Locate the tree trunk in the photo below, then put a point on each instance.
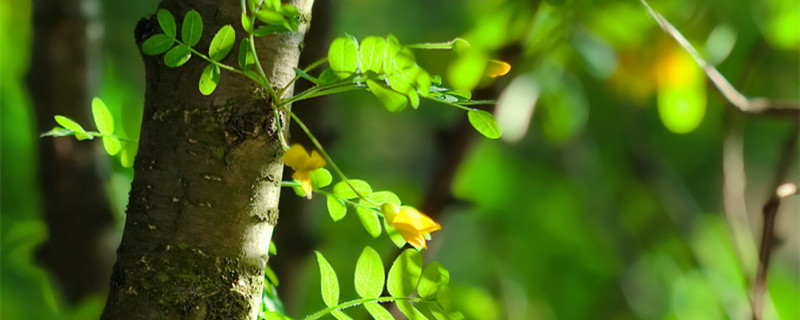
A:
(74, 198)
(204, 198)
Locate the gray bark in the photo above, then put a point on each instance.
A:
(204, 199)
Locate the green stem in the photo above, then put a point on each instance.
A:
(297, 77)
(377, 210)
(452, 104)
(325, 154)
(280, 129)
(434, 45)
(361, 301)
(315, 91)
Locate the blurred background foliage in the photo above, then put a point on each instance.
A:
(603, 200)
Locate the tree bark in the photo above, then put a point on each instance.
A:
(74, 198)
(204, 199)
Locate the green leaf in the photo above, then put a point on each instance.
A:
(167, 22)
(306, 76)
(247, 24)
(269, 29)
(410, 311)
(112, 145)
(336, 208)
(157, 44)
(338, 314)
(177, 56)
(423, 82)
(394, 235)
(433, 277)
(485, 123)
(379, 197)
(327, 77)
(467, 70)
(405, 273)
(246, 58)
(222, 43)
(102, 117)
(70, 124)
(270, 17)
(369, 276)
(372, 52)
(209, 79)
(320, 178)
(377, 312)
(342, 189)
(369, 220)
(128, 154)
(329, 285)
(192, 28)
(57, 132)
(272, 249)
(271, 276)
(393, 101)
(272, 315)
(343, 57)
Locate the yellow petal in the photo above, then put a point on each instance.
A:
(414, 219)
(413, 238)
(316, 161)
(497, 68)
(296, 157)
(305, 181)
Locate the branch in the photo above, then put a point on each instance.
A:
(755, 106)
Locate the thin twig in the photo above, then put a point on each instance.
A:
(759, 106)
(770, 210)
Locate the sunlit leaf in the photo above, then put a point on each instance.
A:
(433, 277)
(467, 70)
(321, 178)
(246, 58)
(128, 154)
(369, 278)
(247, 24)
(369, 220)
(111, 145)
(371, 52)
(410, 311)
(167, 23)
(271, 276)
(329, 284)
(343, 57)
(157, 44)
(404, 273)
(209, 79)
(270, 17)
(177, 56)
(379, 197)
(343, 190)
(192, 28)
(377, 312)
(485, 123)
(338, 314)
(102, 117)
(393, 101)
(394, 235)
(222, 43)
(336, 208)
(70, 124)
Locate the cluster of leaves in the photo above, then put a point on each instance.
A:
(406, 275)
(357, 194)
(112, 143)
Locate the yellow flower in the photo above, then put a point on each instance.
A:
(497, 68)
(303, 163)
(412, 224)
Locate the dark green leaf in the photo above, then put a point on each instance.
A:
(102, 117)
(433, 277)
(222, 43)
(344, 191)
(369, 276)
(112, 145)
(192, 28)
(177, 56)
(343, 57)
(369, 220)
(167, 22)
(405, 273)
(372, 52)
(329, 284)
(157, 44)
(485, 123)
(327, 77)
(377, 312)
(306, 76)
(336, 208)
(393, 101)
(209, 79)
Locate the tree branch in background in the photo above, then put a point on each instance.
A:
(779, 191)
(755, 106)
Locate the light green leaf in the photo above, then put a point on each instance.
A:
(329, 286)
(414, 98)
(222, 43)
(273, 250)
(209, 79)
(246, 58)
(70, 124)
(320, 178)
(369, 220)
(369, 276)
(336, 208)
(467, 70)
(271, 276)
(112, 145)
(379, 197)
(343, 190)
(343, 57)
(272, 315)
(192, 28)
(177, 56)
(423, 82)
(410, 311)
(682, 107)
(102, 117)
(371, 52)
(167, 22)
(377, 312)
(433, 277)
(269, 29)
(247, 24)
(338, 314)
(405, 273)
(327, 77)
(394, 235)
(485, 123)
(128, 154)
(306, 76)
(270, 17)
(440, 314)
(57, 132)
(157, 44)
(393, 101)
